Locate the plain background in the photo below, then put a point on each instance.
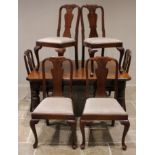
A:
(39, 19)
(145, 30)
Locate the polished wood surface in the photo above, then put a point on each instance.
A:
(78, 75)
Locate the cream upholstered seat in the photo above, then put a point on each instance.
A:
(55, 105)
(103, 106)
(101, 40)
(56, 40)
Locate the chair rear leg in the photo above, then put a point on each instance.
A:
(82, 125)
(76, 57)
(126, 124)
(32, 125)
(113, 123)
(72, 123)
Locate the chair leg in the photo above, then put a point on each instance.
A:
(83, 57)
(113, 123)
(32, 125)
(82, 125)
(72, 123)
(76, 57)
(102, 52)
(126, 124)
(47, 122)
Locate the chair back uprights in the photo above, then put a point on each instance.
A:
(68, 20)
(57, 72)
(102, 75)
(29, 61)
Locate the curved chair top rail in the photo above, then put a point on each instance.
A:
(57, 75)
(101, 74)
(92, 18)
(29, 61)
(68, 20)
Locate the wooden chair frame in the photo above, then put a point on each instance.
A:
(57, 74)
(101, 73)
(68, 21)
(92, 18)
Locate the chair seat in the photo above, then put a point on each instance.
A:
(56, 40)
(103, 106)
(54, 105)
(101, 40)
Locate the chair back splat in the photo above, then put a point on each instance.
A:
(57, 75)
(101, 75)
(92, 18)
(68, 20)
(29, 61)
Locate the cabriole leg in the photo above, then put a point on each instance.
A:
(82, 125)
(32, 125)
(72, 123)
(126, 124)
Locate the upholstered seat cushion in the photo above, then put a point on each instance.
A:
(55, 105)
(101, 40)
(103, 106)
(56, 40)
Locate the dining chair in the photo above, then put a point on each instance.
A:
(65, 39)
(30, 66)
(94, 42)
(126, 64)
(101, 107)
(55, 107)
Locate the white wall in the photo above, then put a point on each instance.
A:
(39, 18)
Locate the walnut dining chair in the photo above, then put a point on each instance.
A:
(65, 39)
(101, 107)
(93, 41)
(57, 106)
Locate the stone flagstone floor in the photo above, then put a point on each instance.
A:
(101, 139)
